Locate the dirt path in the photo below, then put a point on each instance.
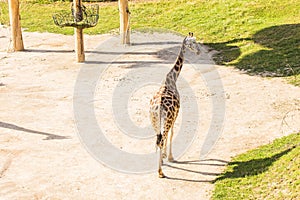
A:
(41, 156)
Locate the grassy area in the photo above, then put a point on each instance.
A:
(295, 80)
(270, 172)
(257, 36)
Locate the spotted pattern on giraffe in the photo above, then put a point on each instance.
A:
(165, 104)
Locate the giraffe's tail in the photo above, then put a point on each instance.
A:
(158, 140)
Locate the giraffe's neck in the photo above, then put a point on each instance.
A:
(175, 71)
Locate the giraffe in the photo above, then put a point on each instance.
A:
(165, 104)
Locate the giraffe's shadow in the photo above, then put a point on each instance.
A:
(198, 170)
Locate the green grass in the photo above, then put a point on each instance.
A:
(295, 80)
(261, 37)
(269, 172)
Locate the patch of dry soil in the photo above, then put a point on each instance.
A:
(41, 156)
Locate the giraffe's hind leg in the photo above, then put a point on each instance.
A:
(160, 172)
(165, 141)
(170, 156)
(160, 143)
(162, 152)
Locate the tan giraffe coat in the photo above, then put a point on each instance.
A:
(164, 107)
(165, 104)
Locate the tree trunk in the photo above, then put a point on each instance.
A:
(79, 45)
(16, 32)
(124, 21)
(78, 32)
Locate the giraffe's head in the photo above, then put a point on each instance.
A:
(191, 43)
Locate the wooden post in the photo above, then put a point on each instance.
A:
(16, 32)
(78, 32)
(79, 45)
(124, 21)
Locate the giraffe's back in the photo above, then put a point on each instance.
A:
(164, 107)
(170, 102)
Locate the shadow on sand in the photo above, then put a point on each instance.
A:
(18, 128)
(178, 165)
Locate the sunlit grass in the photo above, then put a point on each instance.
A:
(235, 28)
(269, 172)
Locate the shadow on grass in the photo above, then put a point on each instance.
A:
(279, 58)
(227, 52)
(251, 167)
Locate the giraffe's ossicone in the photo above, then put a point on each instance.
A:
(165, 104)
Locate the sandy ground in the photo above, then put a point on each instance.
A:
(41, 156)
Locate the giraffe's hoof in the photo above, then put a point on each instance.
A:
(161, 175)
(171, 159)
